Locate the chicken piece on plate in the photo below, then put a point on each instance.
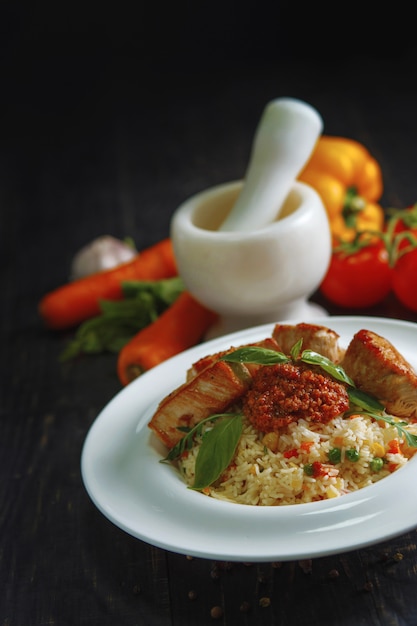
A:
(211, 391)
(318, 338)
(377, 367)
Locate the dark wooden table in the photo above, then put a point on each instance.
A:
(107, 129)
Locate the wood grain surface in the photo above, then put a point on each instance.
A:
(111, 120)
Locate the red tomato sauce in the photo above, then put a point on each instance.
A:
(284, 393)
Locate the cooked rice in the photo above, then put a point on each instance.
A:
(258, 476)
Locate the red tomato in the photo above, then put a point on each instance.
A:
(402, 231)
(404, 279)
(359, 279)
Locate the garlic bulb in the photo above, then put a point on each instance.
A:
(102, 253)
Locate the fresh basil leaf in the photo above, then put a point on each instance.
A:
(216, 451)
(296, 349)
(314, 358)
(410, 438)
(364, 400)
(261, 356)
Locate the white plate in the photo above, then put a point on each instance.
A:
(147, 499)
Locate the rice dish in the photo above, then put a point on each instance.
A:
(312, 461)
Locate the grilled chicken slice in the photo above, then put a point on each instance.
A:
(318, 338)
(378, 368)
(212, 391)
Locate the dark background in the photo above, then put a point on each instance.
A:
(99, 93)
(112, 115)
(75, 77)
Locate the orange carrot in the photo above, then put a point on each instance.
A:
(179, 327)
(79, 300)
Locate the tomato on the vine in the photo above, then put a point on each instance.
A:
(402, 219)
(358, 278)
(404, 274)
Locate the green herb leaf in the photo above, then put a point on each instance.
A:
(314, 358)
(261, 356)
(120, 320)
(164, 291)
(187, 441)
(296, 349)
(364, 400)
(216, 451)
(409, 437)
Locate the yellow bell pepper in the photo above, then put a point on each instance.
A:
(349, 181)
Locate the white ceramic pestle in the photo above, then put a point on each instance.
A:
(284, 140)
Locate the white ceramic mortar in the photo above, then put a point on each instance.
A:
(257, 277)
